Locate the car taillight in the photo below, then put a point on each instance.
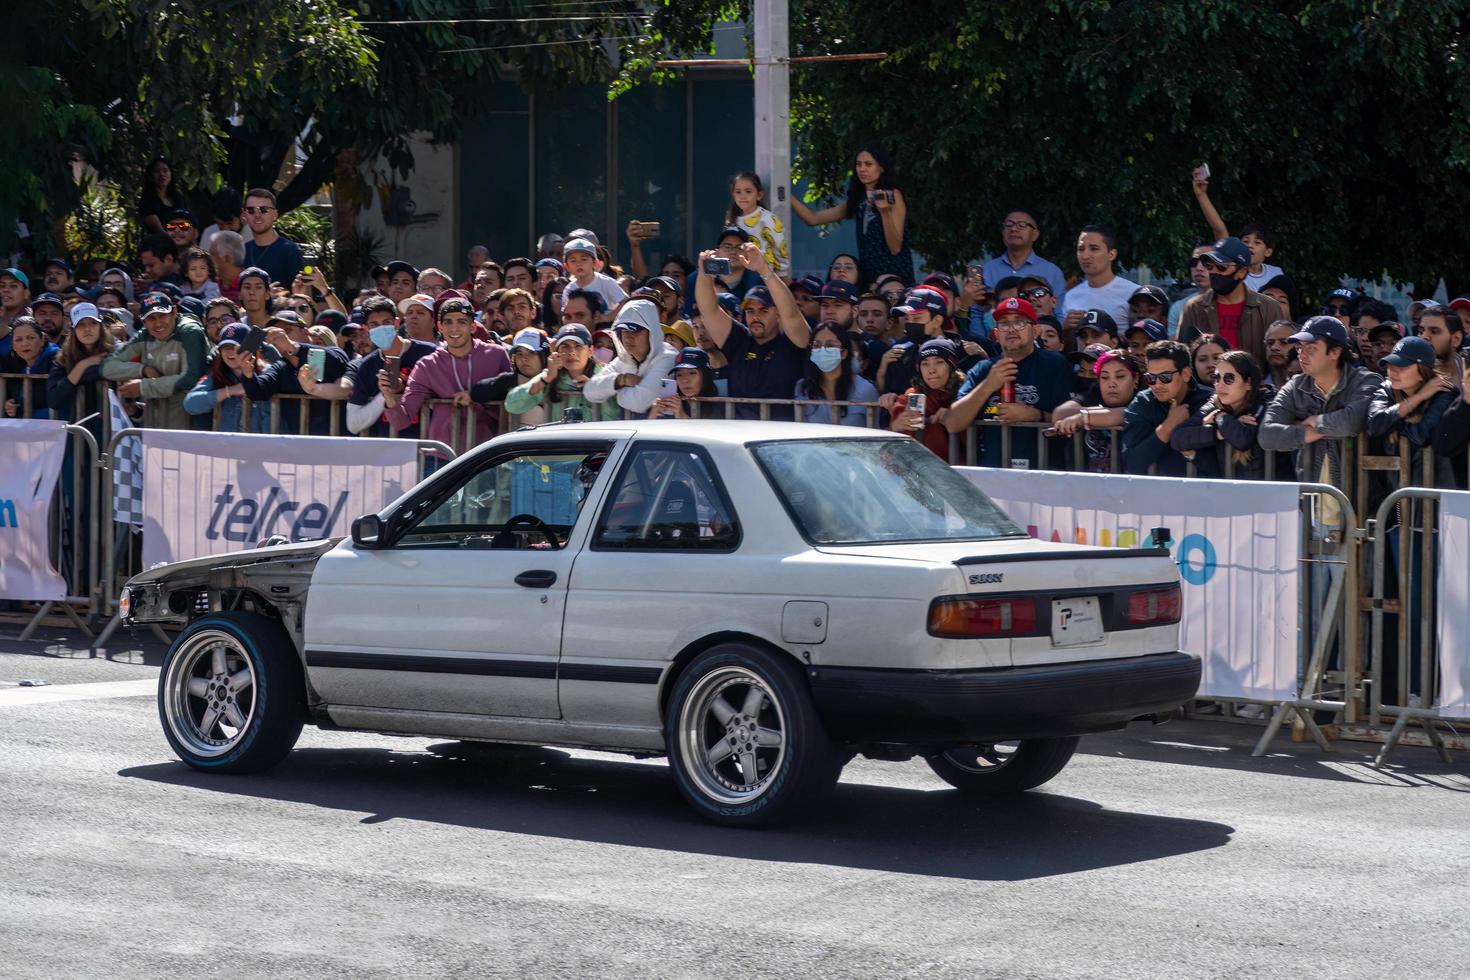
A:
(1154, 607)
(962, 617)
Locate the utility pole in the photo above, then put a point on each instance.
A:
(773, 105)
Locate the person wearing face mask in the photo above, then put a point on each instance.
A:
(390, 347)
(923, 313)
(830, 378)
(1230, 308)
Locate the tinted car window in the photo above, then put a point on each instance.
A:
(860, 491)
(668, 499)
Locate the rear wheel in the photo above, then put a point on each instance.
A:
(1002, 768)
(231, 693)
(745, 745)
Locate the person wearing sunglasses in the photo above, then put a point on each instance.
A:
(1043, 298)
(1230, 308)
(180, 226)
(1019, 232)
(1169, 397)
(1199, 277)
(1230, 426)
(267, 248)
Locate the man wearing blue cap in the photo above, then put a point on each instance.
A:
(50, 314)
(58, 277)
(767, 354)
(1328, 401)
(1229, 307)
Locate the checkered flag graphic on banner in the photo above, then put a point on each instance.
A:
(127, 468)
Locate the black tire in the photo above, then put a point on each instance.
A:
(1033, 762)
(788, 779)
(196, 699)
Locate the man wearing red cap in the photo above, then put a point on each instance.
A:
(1025, 384)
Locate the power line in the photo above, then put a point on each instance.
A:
(542, 44)
(507, 20)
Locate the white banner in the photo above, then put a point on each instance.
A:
(32, 451)
(208, 493)
(1235, 542)
(1454, 605)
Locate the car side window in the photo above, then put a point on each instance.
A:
(547, 488)
(667, 499)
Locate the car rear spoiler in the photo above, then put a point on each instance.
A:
(1065, 556)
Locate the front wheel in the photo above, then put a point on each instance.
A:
(231, 693)
(1003, 768)
(745, 744)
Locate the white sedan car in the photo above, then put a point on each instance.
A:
(759, 601)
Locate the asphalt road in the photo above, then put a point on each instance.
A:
(1159, 852)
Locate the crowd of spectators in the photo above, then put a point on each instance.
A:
(230, 327)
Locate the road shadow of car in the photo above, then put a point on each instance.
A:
(547, 793)
(1227, 745)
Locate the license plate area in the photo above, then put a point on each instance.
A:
(1076, 621)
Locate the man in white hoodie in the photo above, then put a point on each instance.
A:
(634, 378)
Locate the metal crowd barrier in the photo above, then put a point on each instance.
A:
(73, 546)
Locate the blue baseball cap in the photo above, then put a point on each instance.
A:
(1155, 330)
(17, 275)
(940, 347)
(60, 263)
(1228, 250)
(730, 303)
(690, 357)
(923, 298)
(575, 332)
(46, 298)
(944, 281)
(758, 294)
(256, 272)
(1411, 350)
(552, 264)
(156, 303)
(1322, 327)
(192, 305)
(808, 284)
(843, 290)
(234, 333)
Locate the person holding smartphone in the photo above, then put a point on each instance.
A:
(921, 410)
(295, 364)
(876, 203)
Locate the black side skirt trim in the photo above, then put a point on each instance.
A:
(482, 667)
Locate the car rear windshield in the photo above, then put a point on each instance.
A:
(862, 491)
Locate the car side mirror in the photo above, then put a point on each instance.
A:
(367, 532)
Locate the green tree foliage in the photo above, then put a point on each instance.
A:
(227, 90)
(1345, 125)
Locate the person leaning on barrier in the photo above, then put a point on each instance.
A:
(1099, 412)
(160, 364)
(1230, 423)
(262, 382)
(455, 367)
(1170, 397)
(1409, 406)
(1452, 435)
(1324, 404)
(78, 368)
(1037, 381)
(693, 378)
(556, 386)
(767, 353)
(221, 386)
(938, 380)
(830, 377)
(365, 404)
(634, 379)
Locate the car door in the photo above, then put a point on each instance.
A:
(661, 558)
(460, 611)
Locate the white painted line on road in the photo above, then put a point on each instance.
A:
(19, 696)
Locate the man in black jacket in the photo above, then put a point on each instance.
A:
(1170, 397)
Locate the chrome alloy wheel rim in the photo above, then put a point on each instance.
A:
(209, 693)
(987, 757)
(733, 735)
